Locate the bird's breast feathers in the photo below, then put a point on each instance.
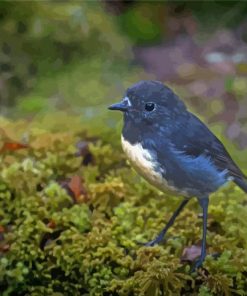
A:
(179, 173)
(145, 163)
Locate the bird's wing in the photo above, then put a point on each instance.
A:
(196, 139)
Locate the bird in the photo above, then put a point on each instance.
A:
(174, 150)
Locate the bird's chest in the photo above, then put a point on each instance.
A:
(146, 164)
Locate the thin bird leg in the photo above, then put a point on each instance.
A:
(204, 204)
(161, 235)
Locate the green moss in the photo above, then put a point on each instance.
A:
(55, 244)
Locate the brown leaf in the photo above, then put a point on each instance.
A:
(12, 146)
(4, 248)
(191, 253)
(75, 185)
(75, 188)
(51, 224)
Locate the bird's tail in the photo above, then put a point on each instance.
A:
(241, 183)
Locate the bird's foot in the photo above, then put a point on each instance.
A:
(197, 264)
(153, 242)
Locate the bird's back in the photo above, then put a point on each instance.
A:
(190, 160)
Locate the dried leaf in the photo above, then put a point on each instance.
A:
(51, 224)
(4, 248)
(75, 189)
(75, 186)
(191, 253)
(12, 146)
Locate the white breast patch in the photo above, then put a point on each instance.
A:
(143, 161)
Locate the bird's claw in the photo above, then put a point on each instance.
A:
(151, 243)
(197, 264)
(148, 244)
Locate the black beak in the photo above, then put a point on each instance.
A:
(122, 106)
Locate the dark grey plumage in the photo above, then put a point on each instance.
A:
(172, 148)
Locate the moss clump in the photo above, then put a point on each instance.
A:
(59, 237)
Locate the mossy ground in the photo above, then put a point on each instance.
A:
(72, 210)
(71, 227)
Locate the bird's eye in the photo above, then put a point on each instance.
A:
(149, 107)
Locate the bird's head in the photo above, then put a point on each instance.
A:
(149, 102)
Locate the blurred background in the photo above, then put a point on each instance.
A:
(81, 56)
